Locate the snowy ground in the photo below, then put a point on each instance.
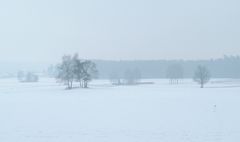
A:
(45, 112)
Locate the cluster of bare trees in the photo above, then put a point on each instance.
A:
(175, 73)
(27, 77)
(130, 77)
(72, 69)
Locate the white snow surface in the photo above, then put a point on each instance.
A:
(46, 112)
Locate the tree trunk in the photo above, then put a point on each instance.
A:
(85, 84)
(82, 83)
(68, 85)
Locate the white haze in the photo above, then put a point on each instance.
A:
(42, 31)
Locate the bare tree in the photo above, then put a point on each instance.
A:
(89, 72)
(66, 71)
(174, 73)
(202, 75)
(78, 70)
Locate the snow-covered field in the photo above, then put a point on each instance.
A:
(45, 112)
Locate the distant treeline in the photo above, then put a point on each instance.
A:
(226, 67)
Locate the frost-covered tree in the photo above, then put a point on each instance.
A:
(66, 71)
(174, 73)
(74, 69)
(89, 72)
(202, 75)
(78, 70)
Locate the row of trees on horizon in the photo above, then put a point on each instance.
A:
(226, 67)
(72, 69)
(174, 73)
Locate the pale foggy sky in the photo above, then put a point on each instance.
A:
(44, 30)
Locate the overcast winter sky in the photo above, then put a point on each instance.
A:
(43, 30)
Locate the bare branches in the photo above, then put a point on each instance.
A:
(73, 69)
(202, 75)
